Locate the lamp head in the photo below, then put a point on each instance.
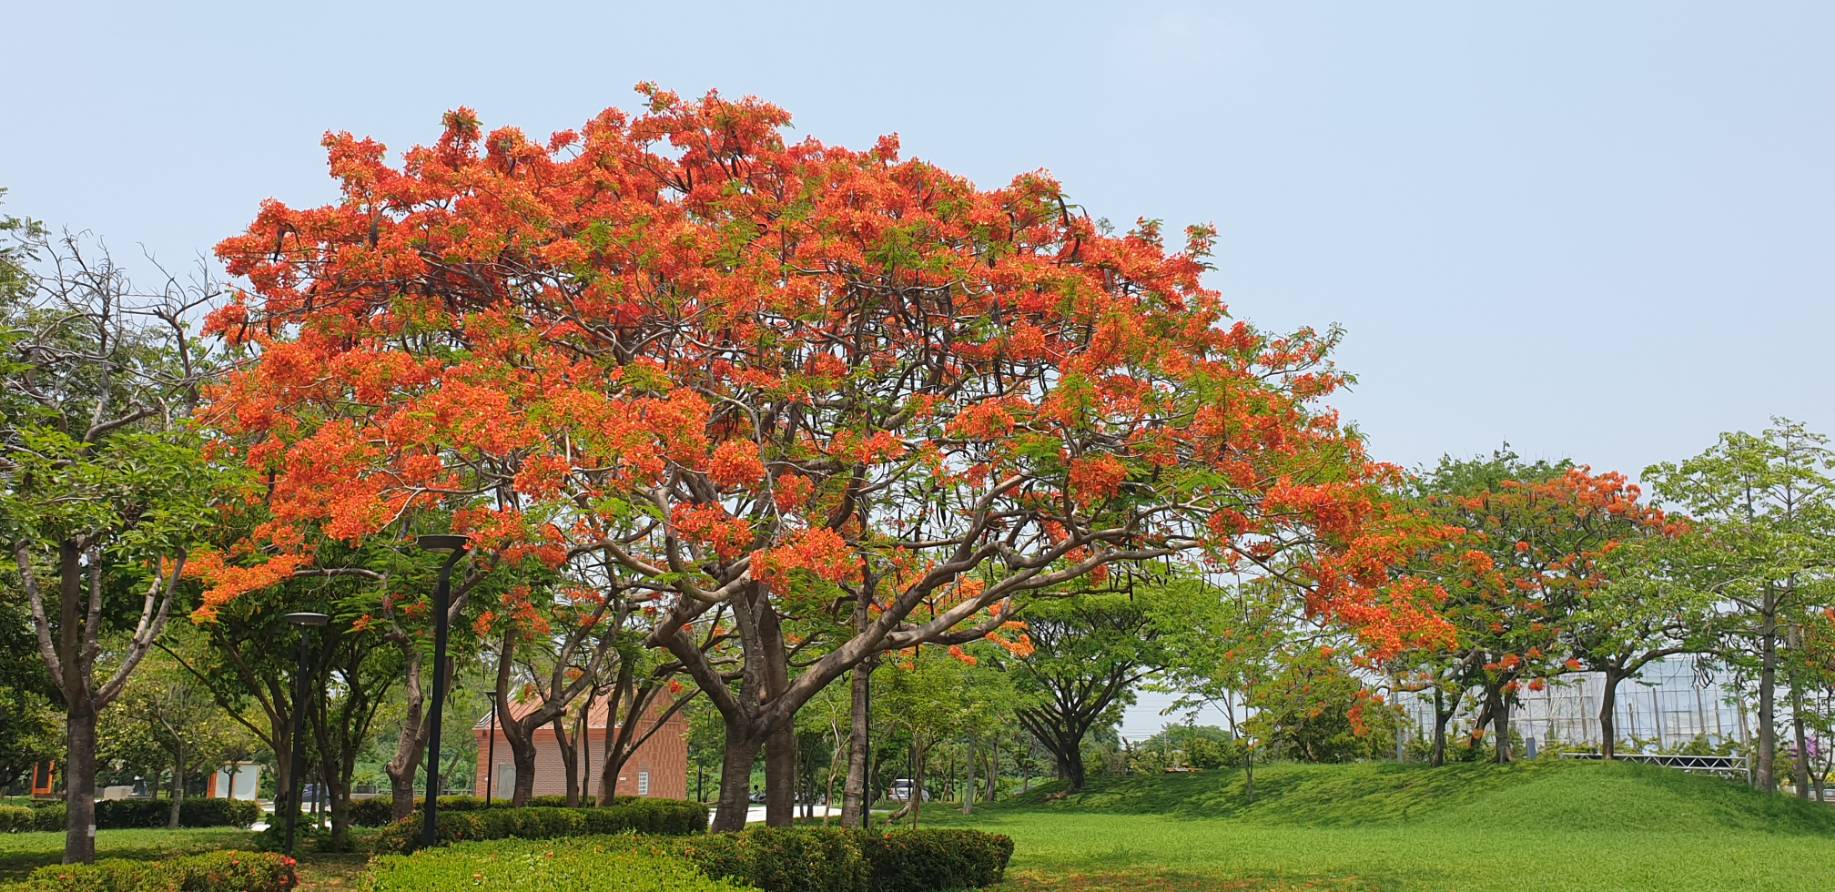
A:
(443, 543)
(307, 618)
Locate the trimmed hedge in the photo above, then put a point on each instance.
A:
(122, 814)
(920, 860)
(380, 810)
(15, 819)
(784, 859)
(209, 872)
(824, 859)
(666, 817)
(540, 866)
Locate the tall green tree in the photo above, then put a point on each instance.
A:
(103, 488)
(1763, 549)
(1643, 613)
(1082, 661)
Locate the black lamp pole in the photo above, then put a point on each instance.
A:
(442, 593)
(490, 758)
(303, 621)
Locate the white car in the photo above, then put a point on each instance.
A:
(901, 790)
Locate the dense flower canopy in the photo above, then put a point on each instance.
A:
(734, 363)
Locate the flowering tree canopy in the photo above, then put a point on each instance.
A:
(772, 380)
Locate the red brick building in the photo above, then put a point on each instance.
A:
(659, 768)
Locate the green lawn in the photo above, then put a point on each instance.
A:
(20, 853)
(1536, 826)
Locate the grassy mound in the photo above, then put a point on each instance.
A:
(1570, 795)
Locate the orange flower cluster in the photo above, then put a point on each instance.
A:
(619, 323)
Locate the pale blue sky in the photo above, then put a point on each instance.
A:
(1598, 230)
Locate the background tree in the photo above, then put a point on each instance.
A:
(1643, 613)
(1076, 666)
(103, 489)
(1532, 540)
(162, 712)
(1762, 548)
(30, 734)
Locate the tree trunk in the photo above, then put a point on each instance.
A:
(609, 771)
(854, 795)
(80, 784)
(1608, 716)
(735, 781)
(993, 773)
(1442, 715)
(570, 758)
(1800, 766)
(1765, 773)
(968, 786)
(1501, 722)
(523, 757)
(337, 798)
(1069, 755)
(780, 776)
(178, 787)
(1248, 773)
(917, 796)
(410, 745)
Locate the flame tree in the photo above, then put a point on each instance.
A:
(785, 388)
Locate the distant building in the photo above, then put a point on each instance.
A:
(658, 768)
(235, 780)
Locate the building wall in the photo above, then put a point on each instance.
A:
(664, 756)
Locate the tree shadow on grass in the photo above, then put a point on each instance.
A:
(1179, 881)
(22, 853)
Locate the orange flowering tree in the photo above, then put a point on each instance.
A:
(1530, 554)
(777, 383)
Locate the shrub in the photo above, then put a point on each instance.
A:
(209, 872)
(533, 866)
(117, 814)
(372, 812)
(666, 817)
(823, 859)
(218, 813)
(380, 810)
(927, 860)
(49, 817)
(784, 859)
(15, 819)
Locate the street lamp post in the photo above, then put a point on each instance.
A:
(302, 620)
(442, 593)
(490, 758)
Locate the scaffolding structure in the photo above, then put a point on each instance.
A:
(1664, 707)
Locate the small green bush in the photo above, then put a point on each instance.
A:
(541, 866)
(784, 859)
(928, 860)
(831, 859)
(210, 872)
(664, 817)
(15, 819)
(372, 812)
(49, 817)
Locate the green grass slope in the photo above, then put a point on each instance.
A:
(1570, 795)
(1534, 826)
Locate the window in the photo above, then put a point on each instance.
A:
(643, 783)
